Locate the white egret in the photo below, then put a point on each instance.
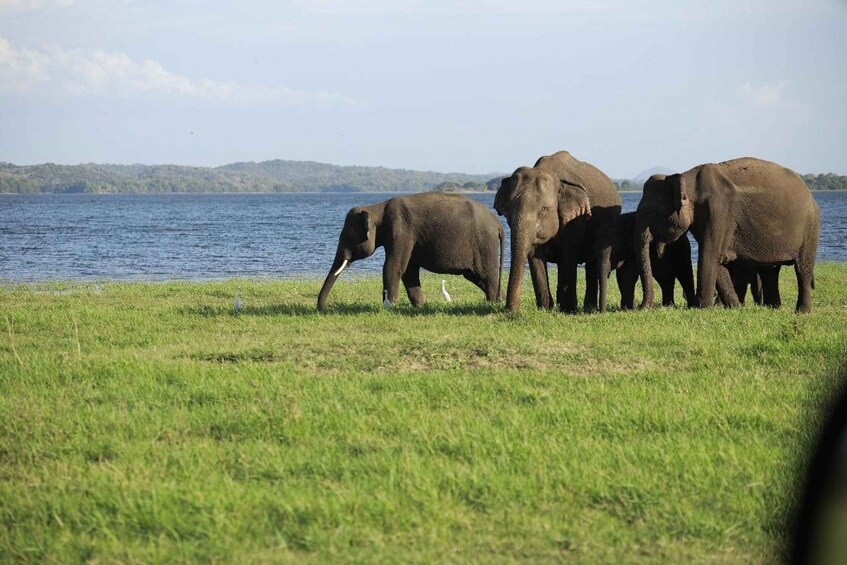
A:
(385, 302)
(237, 303)
(444, 292)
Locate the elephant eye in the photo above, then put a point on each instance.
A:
(545, 209)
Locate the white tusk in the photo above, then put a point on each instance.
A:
(341, 268)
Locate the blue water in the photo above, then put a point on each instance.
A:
(215, 236)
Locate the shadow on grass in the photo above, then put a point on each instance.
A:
(252, 356)
(208, 311)
(480, 309)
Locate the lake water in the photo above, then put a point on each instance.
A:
(216, 236)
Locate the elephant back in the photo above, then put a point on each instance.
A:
(601, 190)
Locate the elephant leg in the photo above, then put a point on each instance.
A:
(685, 275)
(740, 288)
(566, 288)
(412, 282)
(489, 285)
(492, 289)
(480, 282)
(604, 257)
(756, 287)
(725, 288)
(804, 269)
(491, 276)
(391, 282)
(708, 268)
(540, 283)
(626, 278)
(591, 284)
(770, 286)
(396, 262)
(666, 284)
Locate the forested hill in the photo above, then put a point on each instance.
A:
(267, 176)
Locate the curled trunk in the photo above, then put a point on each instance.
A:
(642, 261)
(334, 272)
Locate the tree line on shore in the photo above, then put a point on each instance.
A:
(268, 176)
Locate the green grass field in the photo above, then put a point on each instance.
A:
(148, 422)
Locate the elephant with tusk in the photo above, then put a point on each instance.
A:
(442, 233)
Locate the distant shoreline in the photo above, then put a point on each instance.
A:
(316, 193)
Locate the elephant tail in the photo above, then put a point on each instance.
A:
(503, 259)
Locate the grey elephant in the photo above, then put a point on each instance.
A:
(748, 211)
(442, 233)
(561, 211)
(674, 266)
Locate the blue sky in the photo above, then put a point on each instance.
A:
(477, 87)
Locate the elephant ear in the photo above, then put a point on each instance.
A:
(681, 199)
(573, 202)
(367, 225)
(679, 194)
(500, 197)
(360, 226)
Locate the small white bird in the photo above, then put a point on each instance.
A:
(385, 302)
(237, 303)
(444, 292)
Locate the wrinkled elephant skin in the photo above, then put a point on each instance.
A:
(442, 233)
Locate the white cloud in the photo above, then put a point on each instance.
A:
(21, 68)
(764, 96)
(92, 72)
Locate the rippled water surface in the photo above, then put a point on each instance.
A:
(209, 236)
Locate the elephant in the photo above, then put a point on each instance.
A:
(762, 282)
(561, 210)
(674, 266)
(746, 211)
(442, 233)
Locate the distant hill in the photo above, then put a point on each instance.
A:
(644, 175)
(267, 176)
(637, 183)
(275, 176)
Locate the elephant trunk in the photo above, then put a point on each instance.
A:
(503, 259)
(520, 250)
(642, 261)
(337, 267)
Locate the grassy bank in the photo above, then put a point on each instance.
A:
(144, 422)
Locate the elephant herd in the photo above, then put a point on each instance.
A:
(748, 216)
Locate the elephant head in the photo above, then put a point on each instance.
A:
(358, 240)
(664, 214)
(536, 204)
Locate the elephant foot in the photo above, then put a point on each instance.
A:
(803, 308)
